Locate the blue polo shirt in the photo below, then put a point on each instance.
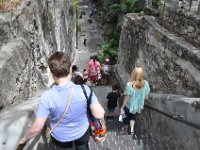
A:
(54, 102)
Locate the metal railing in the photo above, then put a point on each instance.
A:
(172, 116)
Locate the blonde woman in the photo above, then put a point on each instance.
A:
(136, 91)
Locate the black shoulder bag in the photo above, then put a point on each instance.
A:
(98, 127)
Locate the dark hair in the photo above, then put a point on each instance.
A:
(74, 68)
(84, 70)
(78, 80)
(94, 58)
(59, 64)
(114, 87)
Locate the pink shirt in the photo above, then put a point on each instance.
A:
(91, 63)
(93, 66)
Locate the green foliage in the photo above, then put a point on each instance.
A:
(2, 1)
(113, 12)
(156, 3)
(75, 3)
(111, 17)
(128, 6)
(107, 51)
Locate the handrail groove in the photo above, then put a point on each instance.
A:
(175, 117)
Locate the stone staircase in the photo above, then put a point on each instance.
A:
(142, 140)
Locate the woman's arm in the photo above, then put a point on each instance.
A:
(33, 131)
(97, 110)
(124, 103)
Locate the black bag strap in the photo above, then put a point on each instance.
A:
(88, 99)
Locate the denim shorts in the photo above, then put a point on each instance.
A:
(129, 116)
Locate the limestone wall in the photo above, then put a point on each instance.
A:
(171, 64)
(178, 134)
(172, 69)
(185, 24)
(28, 35)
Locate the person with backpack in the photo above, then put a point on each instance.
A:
(93, 67)
(66, 103)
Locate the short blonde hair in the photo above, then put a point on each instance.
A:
(137, 76)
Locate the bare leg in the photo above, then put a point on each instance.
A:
(105, 82)
(91, 82)
(101, 80)
(132, 123)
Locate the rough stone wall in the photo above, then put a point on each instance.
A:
(171, 64)
(181, 136)
(28, 35)
(185, 24)
(184, 5)
(172, 67)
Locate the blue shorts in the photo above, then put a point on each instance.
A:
(129, 116)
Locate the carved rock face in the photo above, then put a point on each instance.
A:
(27, 37)
(171, 65)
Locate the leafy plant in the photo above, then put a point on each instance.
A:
(128, 6)
(113, 13)
(75, 3)
(156, 3)
(107, 51)
(2, 1)
(111, 17)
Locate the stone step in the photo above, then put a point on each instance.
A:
(116, 141)
(129, 146)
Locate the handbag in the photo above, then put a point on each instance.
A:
(48, 129)
(97, 126)
(121, 117)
